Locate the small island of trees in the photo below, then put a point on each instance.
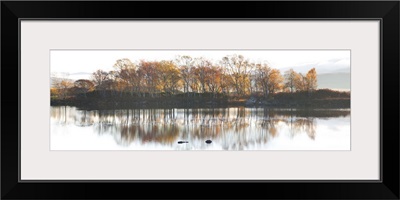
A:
(188, 82)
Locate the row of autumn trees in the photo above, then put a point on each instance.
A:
(232, 75)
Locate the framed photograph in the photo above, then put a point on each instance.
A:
(298, 96)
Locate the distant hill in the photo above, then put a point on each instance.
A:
(335, 81)
(55, 79)
(72, 77)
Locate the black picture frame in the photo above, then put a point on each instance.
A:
(386, 11)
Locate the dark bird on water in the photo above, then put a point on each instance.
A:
(208, 141)
(181, 142)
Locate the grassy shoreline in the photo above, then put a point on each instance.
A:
(318, 99)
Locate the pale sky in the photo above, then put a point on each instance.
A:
(81, 63)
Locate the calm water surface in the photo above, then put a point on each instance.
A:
(228, 128)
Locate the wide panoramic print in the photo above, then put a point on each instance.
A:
(199, 100)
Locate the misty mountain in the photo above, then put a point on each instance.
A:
(55, 80)
(320, 70)
(70, 76)
(338, 81)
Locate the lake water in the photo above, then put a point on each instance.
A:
(227, 128)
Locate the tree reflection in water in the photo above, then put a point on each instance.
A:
(232, 128)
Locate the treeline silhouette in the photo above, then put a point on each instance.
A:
(189, 82)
